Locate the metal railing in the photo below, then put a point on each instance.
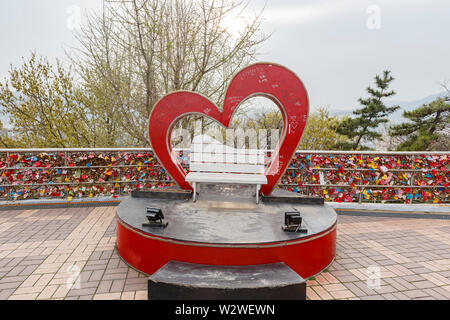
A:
(410, 177)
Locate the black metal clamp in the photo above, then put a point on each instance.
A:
(293, 222)
(155, 218)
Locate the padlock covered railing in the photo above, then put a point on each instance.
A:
(408, 177)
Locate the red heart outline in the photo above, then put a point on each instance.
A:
(269, 80)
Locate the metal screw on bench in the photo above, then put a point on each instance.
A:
(155, 218)
(293, 222)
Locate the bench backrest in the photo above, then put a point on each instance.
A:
(209, 155)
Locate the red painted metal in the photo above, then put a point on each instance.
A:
(273, 81)
(307, 256)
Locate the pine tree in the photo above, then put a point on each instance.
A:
(363, 127)
(427, 125)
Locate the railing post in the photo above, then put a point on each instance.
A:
(9, 188)
(411, 183)
(67, 170)
(310, 184)
(361, 188)
(360, 195)
(120, 177)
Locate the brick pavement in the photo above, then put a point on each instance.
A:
(41, 250)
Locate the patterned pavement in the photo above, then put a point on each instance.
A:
(43, 250)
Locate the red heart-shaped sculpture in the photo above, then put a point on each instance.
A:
(272, 81)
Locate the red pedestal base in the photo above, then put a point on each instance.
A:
(147, 252)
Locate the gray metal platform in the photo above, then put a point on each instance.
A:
(228, 217)
(186, 281)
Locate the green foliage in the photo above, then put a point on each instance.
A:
(424, 128)
(321, 132)
(258, 115)
(45, 107)
(128, 57)
(362, 127)
(269, 120)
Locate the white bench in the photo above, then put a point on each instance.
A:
(213, 162)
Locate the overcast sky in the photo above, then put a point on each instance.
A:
(335, 46)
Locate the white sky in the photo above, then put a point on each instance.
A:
(326, 42)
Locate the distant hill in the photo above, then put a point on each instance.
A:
(397, 116)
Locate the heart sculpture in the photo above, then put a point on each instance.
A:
(272, 81)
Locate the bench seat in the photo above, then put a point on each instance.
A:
(241, 178)
(213, 162)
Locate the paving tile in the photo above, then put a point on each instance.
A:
(26, 290)
(104, 286)
(141, 295)
(329, 277)
(310, 283)
(34, 256)
(117, 286)
(7, 279)
(323, 294)
(97, 275)
(442, 292)
(134, 274)
(136, 286)
(10, 285)
(389, 296)
(6, 293)
(61, 291)
(373, 297)
(349, 278)
(362, 285)
(135, 280)
(47, 292)
(356, 290)
(129, 295)
(17, 270)
(401, 284)
(81, 292)
(425, 284)
(385, 288)
(437, 279)
(435, 294)
(420, 270)
(44, 279)
(334, 287)
(415, 294)
(101, 263)
(120, 270)
(342, 294)
(311, 294)
(28, 296)
(107, 296)
(415, 277)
